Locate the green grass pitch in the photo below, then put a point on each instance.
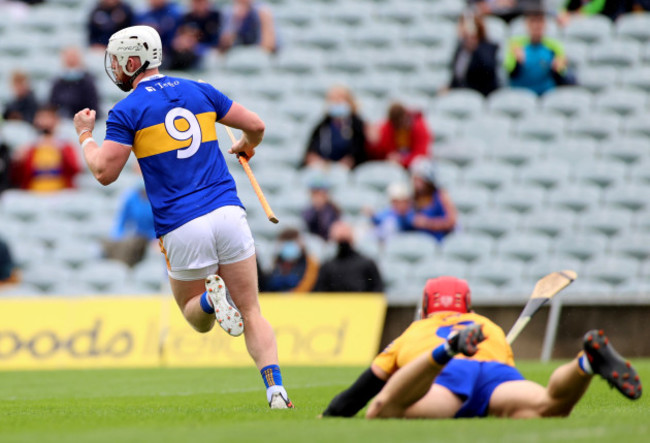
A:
(196, 405)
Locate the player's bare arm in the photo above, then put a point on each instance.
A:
(105, 162)
(250, 124)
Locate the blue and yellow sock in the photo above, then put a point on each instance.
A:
(271, 375)
(205, 304)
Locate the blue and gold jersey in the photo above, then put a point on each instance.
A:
(170, 125)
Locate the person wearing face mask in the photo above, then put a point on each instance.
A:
(348, 271)
(75, 88)
(339, 137)
(49, 164)
(294, 269)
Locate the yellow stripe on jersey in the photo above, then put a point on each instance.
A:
(156, 140)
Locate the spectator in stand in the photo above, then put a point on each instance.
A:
(206, 19)
(49, 164)
(133, 230)
(402, 138)
(75, 88)
(609, 8)
(340, 136)
(249, 24)
(5, 167)
(23, 106)
(108, 17)
(187, 51)
(348, 271)
(294, 269)
(474, 64)
(398, 217)
(504, 9)
(322, 212)
(165, 17)
(534, 61)
(8, 269)
(435, 212)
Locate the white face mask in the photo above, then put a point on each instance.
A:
(339, 110)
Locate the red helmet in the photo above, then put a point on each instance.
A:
(446, 294)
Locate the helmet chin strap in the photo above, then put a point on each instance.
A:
(128, 85)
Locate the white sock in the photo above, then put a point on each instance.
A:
(273, 389)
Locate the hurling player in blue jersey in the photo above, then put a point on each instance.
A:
(169, 124)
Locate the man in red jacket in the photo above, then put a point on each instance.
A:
(403, 137)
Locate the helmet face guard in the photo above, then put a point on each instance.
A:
(111, 68)
(445, 294)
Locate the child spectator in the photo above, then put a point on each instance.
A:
(322, 213)
(398, 217)
(206, 19)
(435, 213)
(249, 23)
(294, 270)
(402, 138)
(23, 106)
(108, 17)
(339, 137)
(348, 271)
(75, 88)
(534, 61)
(49, 164)
(474, 64)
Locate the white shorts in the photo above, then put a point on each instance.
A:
(196, 249)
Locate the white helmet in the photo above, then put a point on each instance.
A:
(135, 41)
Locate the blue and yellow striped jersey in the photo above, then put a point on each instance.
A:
(170, 125)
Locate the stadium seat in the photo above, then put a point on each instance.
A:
(379, 174)
(637, 78)
(621, 101)
(577, 198)
(446, 9)
(599, 173)
(515, 151)
(437, 268)
(410, 246)
(319, 248)
(21, 290)
(631, 197)
(606, 221)
(634, 26)
(636, 126)
(460, 103)
(496, 271)
(395, 272)
(494, 224)
(75, 252)
(616, 53)
(17, 133)
(547, 174)
(597, 78)
(577, 54)
(568, 101)
(597, 126)
(589, 29)
(632, 244)
(513, 102)
(406, 62)
(551, 263)
(46, 274)
(247, 61)
(467, 247)
(469, 199)
(612, 270)
(25, 250)
(582, 247)
(103, 274)
(290, 201)
(298, 62)
(151, 274)
(628, 150)
(518, 27)
(550, 222)
(572, 149)
(353, 200)
(486, 127)
(462, 152)
(406, 293)
(490, 175)
(434, 35)
(523, 246)
(520, 199)
(496, 29)
(545, 128)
